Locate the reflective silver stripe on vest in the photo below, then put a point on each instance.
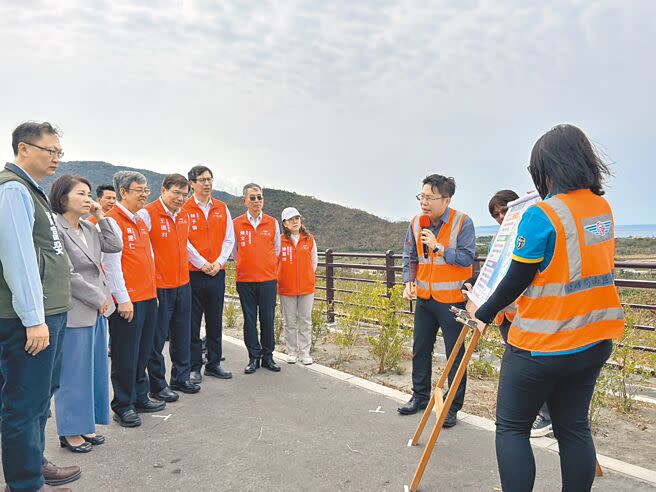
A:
(511, 309)
(446, 285)
(455, 227)
(560, 290)
(421, 284)
(572, 242)
(551, 326)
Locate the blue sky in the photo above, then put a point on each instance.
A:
(351, 102)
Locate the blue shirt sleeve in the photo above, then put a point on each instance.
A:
(410, 259)
(536, 238)
(17, 255)
(465, 254)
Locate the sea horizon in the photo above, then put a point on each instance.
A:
(621, 230)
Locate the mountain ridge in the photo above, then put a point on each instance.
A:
(334, 226)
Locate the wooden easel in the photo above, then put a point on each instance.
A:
(442, 406)
(436, 402)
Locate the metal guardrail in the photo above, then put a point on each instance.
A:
(388, 264)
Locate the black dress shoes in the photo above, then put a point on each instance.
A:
(166, 395)
(270, 365)
(252, 366)
(127, 418)
(217, 372)
(150, 406)
(85, 447)
(195, 377)
(96, 440)
(186, 387)
(413, 406)
(451, 419)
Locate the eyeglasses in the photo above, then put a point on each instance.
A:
(421, 197)
(141, 191)
(204, 180)
(52, 152)
(256, 198)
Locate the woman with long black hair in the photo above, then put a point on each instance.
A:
(568, 311)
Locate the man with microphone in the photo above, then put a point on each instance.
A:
(438, 253)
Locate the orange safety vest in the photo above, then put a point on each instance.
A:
(256, 253)
(137, 258)
(92, 219)
(169, 240)
(207, 234)
(509, 313)
(295, 273)
(435, 278)
(574, 301)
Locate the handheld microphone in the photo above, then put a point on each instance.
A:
(424, 223)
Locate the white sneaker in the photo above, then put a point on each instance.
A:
(541, 427)
(307, 360)
(292, 359)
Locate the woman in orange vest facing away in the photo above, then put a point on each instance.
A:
(296, 282)
(568, 311)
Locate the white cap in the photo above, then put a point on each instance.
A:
(289, 212)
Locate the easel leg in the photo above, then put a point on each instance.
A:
(436, 399)
(428, 450)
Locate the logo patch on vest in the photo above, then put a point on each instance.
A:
(597, 229)
(520, 243)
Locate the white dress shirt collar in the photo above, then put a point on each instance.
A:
(135, 218)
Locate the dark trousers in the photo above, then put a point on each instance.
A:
(258, 298)
(132, 345)
(174, 322)
(207, 299)
(504, 328)
(566, 383)
(429, 316)
(26, 385)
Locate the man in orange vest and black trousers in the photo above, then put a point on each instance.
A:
(437, 260)
(168, 225)
(257, 249)
(213, 235)
(131, 275)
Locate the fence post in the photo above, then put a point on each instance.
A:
(390, 276)
(330, 287)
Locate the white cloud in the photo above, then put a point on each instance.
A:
(349, 101)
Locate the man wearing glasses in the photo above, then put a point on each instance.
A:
(257, 249)
(131, 275)
(437, 260)
(213, 235)
(168, 225)
(35, 297)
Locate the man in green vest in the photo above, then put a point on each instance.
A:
(35, 297)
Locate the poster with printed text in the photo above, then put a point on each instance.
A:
(500, 255)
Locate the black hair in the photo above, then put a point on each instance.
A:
(501, 199)
(100, 191)
(61, 188)
(438, 183)
(174, 180)
(564, 160)
(31, 131)
(196, 171)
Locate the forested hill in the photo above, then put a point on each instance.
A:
(335, 226)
